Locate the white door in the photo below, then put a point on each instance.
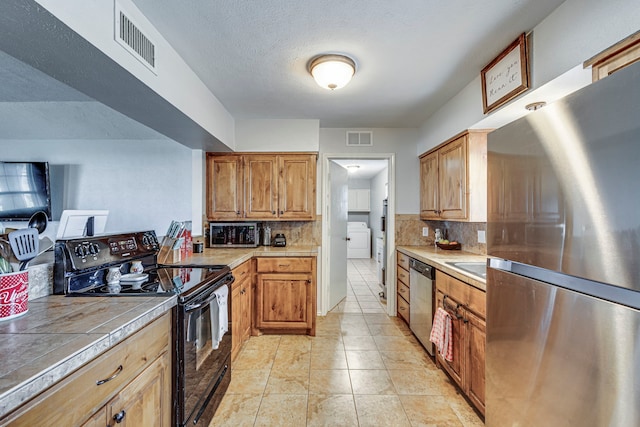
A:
(338, 199)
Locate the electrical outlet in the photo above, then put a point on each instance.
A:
(425, 231)
(482, 238)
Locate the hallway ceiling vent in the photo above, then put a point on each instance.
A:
(129, 36)
(359, 139)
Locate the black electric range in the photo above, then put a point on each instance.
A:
(82, 264)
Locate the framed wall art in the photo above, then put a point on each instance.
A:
(506, 76)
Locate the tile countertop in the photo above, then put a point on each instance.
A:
(233, 257)
(60, 334)
(438, 257)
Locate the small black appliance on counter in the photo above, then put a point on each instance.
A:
(279, 240)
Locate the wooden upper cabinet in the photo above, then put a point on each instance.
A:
(297, 187)
(453, 179)
(224, 187)
(616, 57)
(429, 186)
(261, 184)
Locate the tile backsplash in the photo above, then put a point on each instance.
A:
(409, 232)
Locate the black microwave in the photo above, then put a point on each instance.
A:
(233, 234)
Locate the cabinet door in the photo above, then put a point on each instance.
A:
(297, 187)
(429, 186)
(224, 187)
(284, 301)
(455, 367)
(476, 339)
(146, 400)
(236, 320)
(261, 186)
(99, 419)
(359, 200)
(452, 179)
(245, 296)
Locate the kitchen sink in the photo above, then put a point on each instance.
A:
(476, 268)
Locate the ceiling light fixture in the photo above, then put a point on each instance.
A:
(332, 71)
(352, 168)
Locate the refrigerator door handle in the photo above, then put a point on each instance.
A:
(500, 264)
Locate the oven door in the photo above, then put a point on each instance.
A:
(204, 364)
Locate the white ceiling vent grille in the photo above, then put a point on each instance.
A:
(359, 139)
(129, 36)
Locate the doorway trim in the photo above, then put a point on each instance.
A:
(390, 273)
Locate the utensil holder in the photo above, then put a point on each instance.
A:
(14, 294)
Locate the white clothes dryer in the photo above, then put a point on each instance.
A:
(359, 243)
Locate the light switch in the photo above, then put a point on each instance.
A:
(425, 231)
(482, 238)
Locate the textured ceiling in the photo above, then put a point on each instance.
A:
(412, 55)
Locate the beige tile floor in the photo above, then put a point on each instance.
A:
(363, 368)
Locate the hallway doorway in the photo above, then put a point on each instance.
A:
(378, 186)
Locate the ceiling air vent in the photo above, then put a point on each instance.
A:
(359, 139)
(129, 36)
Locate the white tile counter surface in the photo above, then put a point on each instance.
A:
(60, 334)
(233, 257)
(437, 258)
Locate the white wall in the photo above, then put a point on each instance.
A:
(90, 19)
(402, 142)
(277, 135)
(143, 183)
(573, 33)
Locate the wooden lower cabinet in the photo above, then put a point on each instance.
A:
(139, 369)
(286, 295)
(241, 306)
(402, 287)
(469, 336)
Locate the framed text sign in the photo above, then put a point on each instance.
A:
(506, 76)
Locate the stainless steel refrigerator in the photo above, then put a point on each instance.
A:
(563, 286)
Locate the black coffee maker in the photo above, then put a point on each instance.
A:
(279, 240)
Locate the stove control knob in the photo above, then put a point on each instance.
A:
(93, 249)
(80, 251)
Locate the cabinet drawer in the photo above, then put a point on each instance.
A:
(403, 261)
(403, 275)
(403, 291)
(73, 399)
(284, 265)
(473, 298)
(403, 309)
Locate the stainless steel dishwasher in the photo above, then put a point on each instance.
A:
(421, 278)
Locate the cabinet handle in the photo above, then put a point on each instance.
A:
(237, 212)
(115, 374)
(283, 265)
(281, 212)
(119, 416)
(273, 212)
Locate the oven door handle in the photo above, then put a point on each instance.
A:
(191, 307)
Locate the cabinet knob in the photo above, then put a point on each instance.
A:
(237, 212)
(119, 416)
(273, 212)
(281, 212)
(308, 281)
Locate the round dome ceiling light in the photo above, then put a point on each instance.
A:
(332, 71)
